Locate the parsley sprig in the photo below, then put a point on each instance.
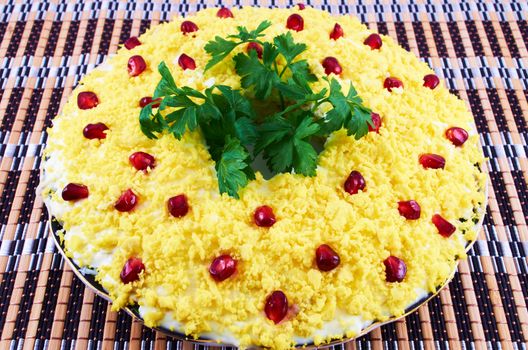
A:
(236, 131)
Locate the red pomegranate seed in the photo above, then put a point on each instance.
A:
(186, 62)
(337, 32)
(409, 209)
(147, 99)
(254, 46)
(432, 161)
(326, 258)
(74, 192)
(295, 22)
(224, 12)
(222, 268)
(276, 306)
(264, 216)
(178, 206)
(188, 27)
(136, 65)
(131, 270)
(395, 269)
(132, 42)
(445, 228)
(392, 83)
(142, 160)
(431, 81)
(95, 131)
(127, 201)
(301, 6)
(354, 182)
(331, 65)
(376, 120)
(457, 136)
(87, 100)
(374, 41)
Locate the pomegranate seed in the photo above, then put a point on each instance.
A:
(445, 228)
(295, 22)
(354, 182)
(95, 131)
(337, 32)
(374, 41)
(73, 192)
(301, 6)
(432, 161)
(147, 99)
(376, 120)
(264, 216)
(409, 209)
(87, 100)
(127, 201)
(222, 267)
(326, 258)
(276, 306)
(395, 269)
(142, 160)
(256, 47)
(457, 136)
(188, 27)
(136, 65)
(132, 42)
(186, 62)
(178, 206)
(224, 12)
(431, 81)
(392, 83)
(331, 65)
(131, 270)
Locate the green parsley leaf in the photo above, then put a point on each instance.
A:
(232, 169)
(166, 86)
(256, 74)
(287, 47)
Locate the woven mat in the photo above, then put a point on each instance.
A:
(479, 48)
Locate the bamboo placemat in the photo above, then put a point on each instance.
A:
(480, 48)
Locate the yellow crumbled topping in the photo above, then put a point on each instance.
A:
(364, 228)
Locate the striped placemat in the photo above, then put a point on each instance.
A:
(480, 48)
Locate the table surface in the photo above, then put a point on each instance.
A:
(479, 48)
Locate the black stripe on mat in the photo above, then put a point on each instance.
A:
(106, 36)
(520, 121)
(510, 39)
(53, 107)
(145, 24)
(510, 309)
(16, 37)
(382, 28)
(414, 329)
(402, 35)
(98, 318)
(69, 44)
(488, 321)
(53, 38)
(8, 195)
(421, 40)
(123, 326)
(26, 302)
(50, 298)
(477, 110)
(461, 309)
(126, 28)
(474, 38)
(34, 38)
(498, 112)
(436, 316)
(389, 336)
(12, 109)
(3, 27)
(523, 28)
(29, 197)
(492, 39)
(456, 39)
(32, 111)
(89, 36)
(73, 312)
(6, 289)
(439, 40)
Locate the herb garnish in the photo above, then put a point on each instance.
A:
(229, 120)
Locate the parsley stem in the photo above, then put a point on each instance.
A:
(280, 93)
